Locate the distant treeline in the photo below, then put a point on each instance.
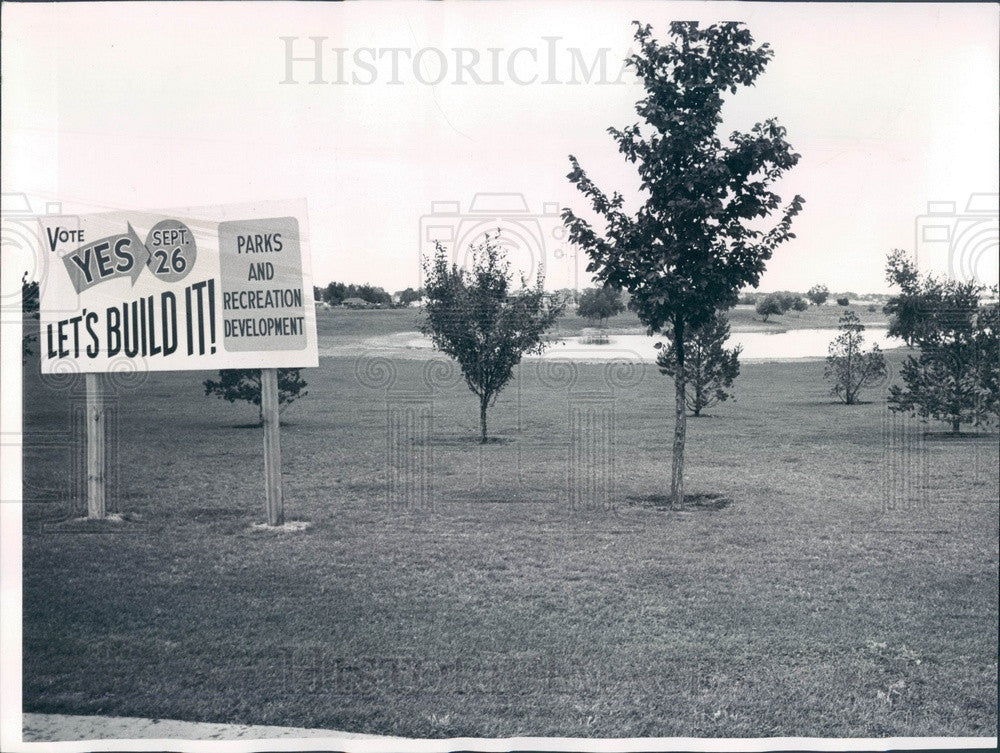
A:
(752, 299)
(341, 294)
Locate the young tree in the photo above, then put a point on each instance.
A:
(478, 318)
(848, 365)
(818, 294)
(770, 304)
(600, 303)
(695, 242)
(956, 377)
(244, 384)
(709, 367)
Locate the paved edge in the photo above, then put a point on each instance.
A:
(72, 728)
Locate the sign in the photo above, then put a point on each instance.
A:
(227, 288)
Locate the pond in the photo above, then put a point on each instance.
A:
(757, 346)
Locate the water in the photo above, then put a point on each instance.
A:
(757, 346)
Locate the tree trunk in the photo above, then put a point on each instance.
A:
(955, 423)
(680, 423)
(483, 402)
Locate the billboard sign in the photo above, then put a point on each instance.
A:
(224, 288)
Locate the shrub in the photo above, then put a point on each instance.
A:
(843, 302)
(770, 304)
(244, 384)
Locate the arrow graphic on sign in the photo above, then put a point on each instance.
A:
(110, 258)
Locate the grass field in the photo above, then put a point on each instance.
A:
(355, 325)
(844, 585)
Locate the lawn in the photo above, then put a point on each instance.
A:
(843, 583)
(354, 326)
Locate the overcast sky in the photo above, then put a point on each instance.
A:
(154, 106)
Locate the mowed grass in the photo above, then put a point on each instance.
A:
(353, 326)
(847, 588)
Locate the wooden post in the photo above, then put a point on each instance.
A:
(272, 446)
(96, 450)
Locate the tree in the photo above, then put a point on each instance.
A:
(709, 367)
(244, 384)
(478, 318)
(818, 294)
(850, 368)
(770, 304)
(799, 303)
(29, 309)
(696, 240)
(408, 296)
(600, 303)
(956, 377)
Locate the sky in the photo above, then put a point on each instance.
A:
(445, 120)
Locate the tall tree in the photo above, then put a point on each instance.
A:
(956, 377)
(479, 318)
(710, 367)
(696, 239)
(849, 366)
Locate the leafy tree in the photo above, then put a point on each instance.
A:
(408, 296)
(844, 301)
(770, 304)
(848, 365)
(337, 292)
(956, 377)
(799, 303)
(29, 308)
(709, 368)
(696, 240)
(818, 294)
(244, 384)
(478, 318)
(600, 303)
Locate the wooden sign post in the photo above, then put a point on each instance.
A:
(159, 292)
(97, 507)
(272, 446)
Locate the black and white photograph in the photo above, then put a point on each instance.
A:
(499, 376)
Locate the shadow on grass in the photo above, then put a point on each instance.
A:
(692, 502)
(463, 441)
(963, 436)
(110, 524)
(258, 425)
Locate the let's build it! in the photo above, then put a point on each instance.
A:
(176, 293)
